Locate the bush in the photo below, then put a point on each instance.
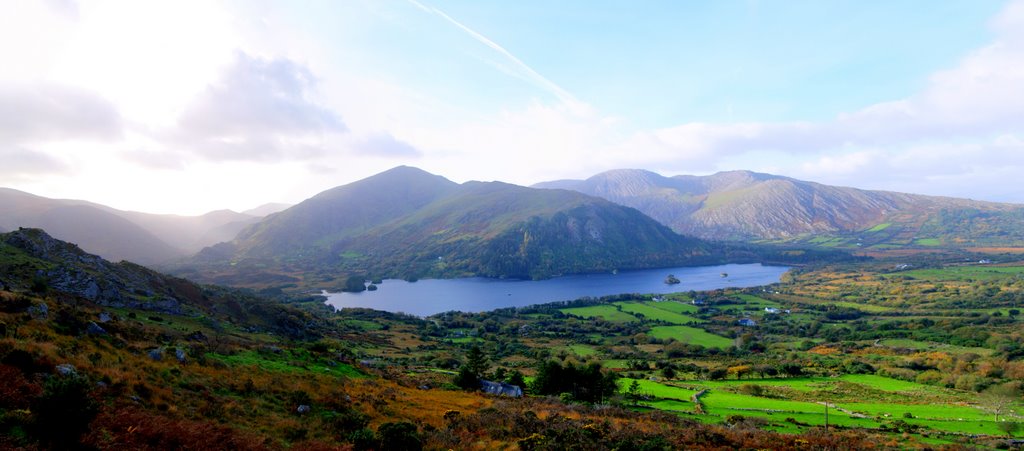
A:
(400, 436)
(63, 411)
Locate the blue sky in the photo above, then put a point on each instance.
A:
(196, 104)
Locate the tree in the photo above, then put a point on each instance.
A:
(633, 393)
(517, 378)
(997, 399)
(355, 284)
(668, 372)
(472, 370)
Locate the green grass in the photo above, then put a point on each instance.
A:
(922, 411)
(719, 403)
(582, 350)
(863, 307)
(659, 390)
(681, 308)
(652, 312)
(755, 301)
(928, 242)
(983, 273)
(923, 345)
(691, 335)
(607, 312)
(286, 362)
(879, 227)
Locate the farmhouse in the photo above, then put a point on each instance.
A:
(747, 322)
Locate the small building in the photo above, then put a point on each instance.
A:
(771, 310)
(747, 322)
(699, 302)
(501, 389)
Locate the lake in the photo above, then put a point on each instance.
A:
(429, 296)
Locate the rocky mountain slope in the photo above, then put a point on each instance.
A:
(31, 260)
(743, 205)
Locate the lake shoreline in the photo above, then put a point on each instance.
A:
(427, 297)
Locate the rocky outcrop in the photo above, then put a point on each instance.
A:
(72, 271)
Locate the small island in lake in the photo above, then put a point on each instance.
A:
(725, 274)
(671, 279)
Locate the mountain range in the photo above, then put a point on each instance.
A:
(124, 235)
(409, 223)
(750, 206)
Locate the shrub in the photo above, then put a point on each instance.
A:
(63, 411)
(399, 436)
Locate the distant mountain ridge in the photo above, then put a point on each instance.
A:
(750, 206)
(117, 234)
(408, 223)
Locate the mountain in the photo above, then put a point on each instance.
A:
(118, 234)
(266, 209)
(745, 206)
(409, 223)
(97, 228)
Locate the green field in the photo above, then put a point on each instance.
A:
(651, 311)
(582, 350)
(674, 306)
(863, 307)
(984, 273)
(691, 335)
(721, 401)
(879, 227)
(755, 301)
(928, 346)
(607, 312)
(928, 242)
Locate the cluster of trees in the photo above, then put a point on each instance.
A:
(586, 383)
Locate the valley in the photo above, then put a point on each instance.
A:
(919, 352)
(614, 330)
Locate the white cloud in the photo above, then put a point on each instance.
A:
(258, 110)
(49, 111)
(383, 144)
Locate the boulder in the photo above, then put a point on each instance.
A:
(95, 329)
(39, 311)
(180, 355)
(303, 409)
(66, 369)
(105, 317)
(156, 354)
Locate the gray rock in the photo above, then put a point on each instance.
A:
(303, 409)
(156, 354)
(39, 311)
(95, 329)
(91, 291)
(180, 355)
(105, 317)
(501, 389)
(66, 369)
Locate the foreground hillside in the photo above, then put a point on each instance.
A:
(221, 369)
(743, 205)
(411, 224)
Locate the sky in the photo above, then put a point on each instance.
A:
(188, 106)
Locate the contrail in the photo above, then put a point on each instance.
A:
(529, 73)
